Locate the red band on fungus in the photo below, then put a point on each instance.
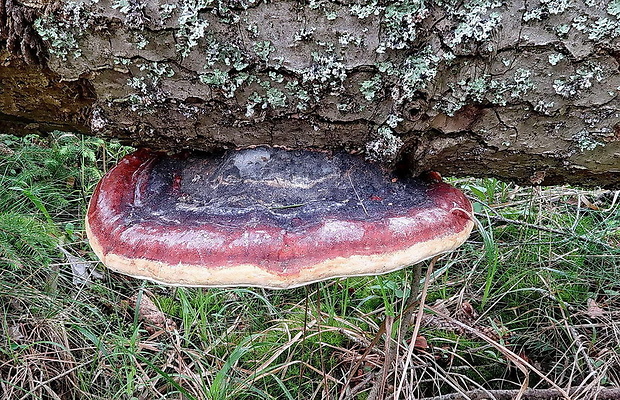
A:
(267, 217)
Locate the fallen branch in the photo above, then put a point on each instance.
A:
(529, 394)
(517, 360)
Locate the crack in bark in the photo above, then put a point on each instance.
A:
(17, 29)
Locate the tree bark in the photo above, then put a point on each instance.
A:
(520, 90)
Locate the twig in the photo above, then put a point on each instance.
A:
(529, 394)
(517, 360)
(358, 388)
(378, 391)
(287, 206)
(418, 322)
(412, 300)
(374, 342)
(391, 351)
(359, 199)
(390, 355)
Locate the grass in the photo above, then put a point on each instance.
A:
(532, 298)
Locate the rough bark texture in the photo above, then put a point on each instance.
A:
(516, 89)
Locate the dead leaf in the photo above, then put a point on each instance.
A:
(82, 271)
(15, 333)
(70, 181)
(469, 310)
(594, 310)
(155, 320)
(538, 177)
(582, 201)
(589, 204)
(420, 343)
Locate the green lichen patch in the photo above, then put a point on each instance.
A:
(144, 86)
(417, 73)
(485, 89)
(384, 146)
(599, 28)
(546, 8)
(370, 87)
(582, 79)
(478, 20)
(263, 49)
(62, 30)
(191, 26)
(585, 141)
(555, 58)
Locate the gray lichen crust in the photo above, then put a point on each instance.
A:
(479, 84)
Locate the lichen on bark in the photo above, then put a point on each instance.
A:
(510, 88)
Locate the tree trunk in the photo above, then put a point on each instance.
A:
(520, 90)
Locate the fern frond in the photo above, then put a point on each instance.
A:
(25, 241)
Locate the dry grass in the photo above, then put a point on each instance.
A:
(528, 307)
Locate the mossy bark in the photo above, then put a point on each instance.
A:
(520, 90)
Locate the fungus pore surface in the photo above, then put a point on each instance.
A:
(267, 217)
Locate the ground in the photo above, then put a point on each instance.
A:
(533, 293)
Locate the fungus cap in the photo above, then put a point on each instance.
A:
(268, 217)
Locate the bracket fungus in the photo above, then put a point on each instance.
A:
(268, 217)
